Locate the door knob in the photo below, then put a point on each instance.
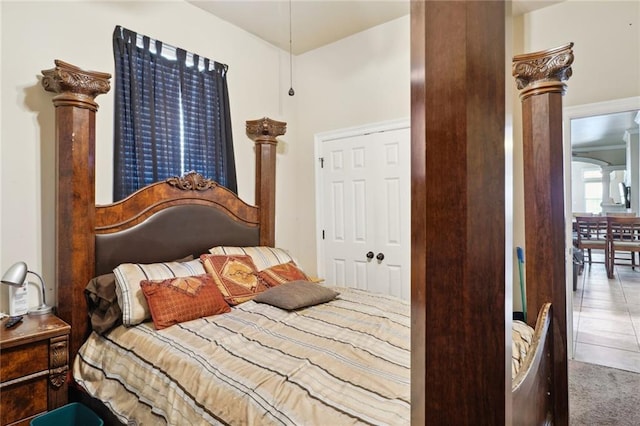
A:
(380, 256)
(370, 255)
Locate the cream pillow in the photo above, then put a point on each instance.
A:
(130, 296)
(263, 257)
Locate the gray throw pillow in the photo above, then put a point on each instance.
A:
(296, 295)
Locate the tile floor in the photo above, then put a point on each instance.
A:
(606, 316)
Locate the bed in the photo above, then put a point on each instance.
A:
(368, 381)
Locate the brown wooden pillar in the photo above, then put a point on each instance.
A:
(264, 133)
(540, 76)
(75, 152)
(458, 337)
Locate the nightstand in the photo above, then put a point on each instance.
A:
(34, 361)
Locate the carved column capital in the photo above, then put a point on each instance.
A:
(543, 72)
(265, 130)
(75, 87)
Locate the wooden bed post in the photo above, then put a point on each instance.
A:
(540, 76)
(459, 317)
(264, 133)
(75, 192)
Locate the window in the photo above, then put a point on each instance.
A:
(171, 115)
(592, 179)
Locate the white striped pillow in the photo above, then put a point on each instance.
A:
(130, 296)
(263, 257)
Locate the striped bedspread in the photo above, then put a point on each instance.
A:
(343, 362)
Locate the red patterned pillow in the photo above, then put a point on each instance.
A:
(283, 273)
(175, 300)
(235, 275)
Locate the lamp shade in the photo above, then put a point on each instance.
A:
(15, 275)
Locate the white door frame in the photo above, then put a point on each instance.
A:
(570, 113)
(319, 138)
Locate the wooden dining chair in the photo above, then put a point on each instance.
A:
(623, 234)
(591, 234)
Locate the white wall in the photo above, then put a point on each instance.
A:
(36, 33)
(358, 80)
(607, 46)
(361, 79)
(606, 41)
(351, 82)
(518, 165)
(4, 292)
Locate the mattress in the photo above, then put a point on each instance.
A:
(342, 362)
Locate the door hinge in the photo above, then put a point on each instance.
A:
(321, 159)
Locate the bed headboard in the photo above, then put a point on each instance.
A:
(92, 240)
(143, 227)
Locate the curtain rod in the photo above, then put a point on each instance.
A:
(169, 51)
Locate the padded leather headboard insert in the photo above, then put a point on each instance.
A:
(171, 234)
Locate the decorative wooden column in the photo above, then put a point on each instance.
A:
(540, 76)
(458, 298)
(75, 153)
(264, 133)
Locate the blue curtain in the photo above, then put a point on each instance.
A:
(171, 116)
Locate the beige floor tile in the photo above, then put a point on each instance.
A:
(627, 342)
(607, 317)
(610, 357)
(602, 291)
(602, 304)
(606, 325)
(632, 294)
(634, 310)
(618, 314)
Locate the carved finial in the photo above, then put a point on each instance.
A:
(191, 181)
(543, 72)
(74, 85)
(265, 129)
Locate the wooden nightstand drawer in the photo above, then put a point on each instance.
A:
(18, 362)
(34, 362)
(18, 400)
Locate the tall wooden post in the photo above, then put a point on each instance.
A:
(264, 133)
(540, 76)
(75, 153)
(458, 296)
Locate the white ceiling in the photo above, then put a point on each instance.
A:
(609, 129)
(315, 23)
(601, 137)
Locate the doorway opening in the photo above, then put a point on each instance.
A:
(602, 176)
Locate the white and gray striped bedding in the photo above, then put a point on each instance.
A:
(343, 362)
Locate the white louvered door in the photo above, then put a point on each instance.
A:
(366, 211)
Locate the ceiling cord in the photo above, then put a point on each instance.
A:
(291, 91)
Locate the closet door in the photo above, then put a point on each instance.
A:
(366, 211)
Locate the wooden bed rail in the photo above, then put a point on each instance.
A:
(532, 384)
(540, 76)
(76, 90)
